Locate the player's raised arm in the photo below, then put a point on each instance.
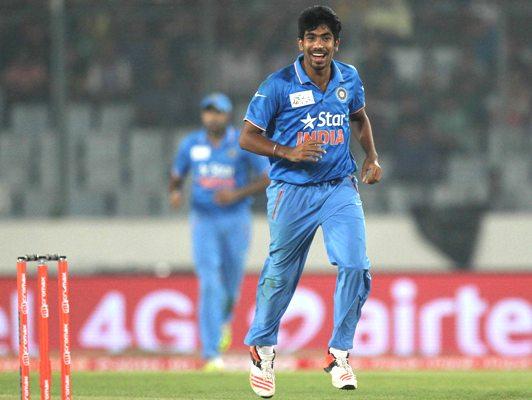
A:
(361, 126)
(251, 139)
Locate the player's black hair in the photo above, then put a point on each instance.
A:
(315, 16)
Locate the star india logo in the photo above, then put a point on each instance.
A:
(308, 121)
(325, 127)
(341, 94)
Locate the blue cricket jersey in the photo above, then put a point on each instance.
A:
(214, 168)
(290, 108)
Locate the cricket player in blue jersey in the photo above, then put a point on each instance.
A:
(220, 216)
(301, 117)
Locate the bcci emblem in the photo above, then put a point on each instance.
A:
(231, 153)
(341, 94)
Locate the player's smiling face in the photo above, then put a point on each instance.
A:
(318, 47)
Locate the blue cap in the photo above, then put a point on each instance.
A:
(219, 101)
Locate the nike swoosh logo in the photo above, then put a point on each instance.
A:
(259, 95)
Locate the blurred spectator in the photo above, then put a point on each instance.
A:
(109, 75)
(378, 74)
(470, 86)
(484, 34)
(80, 50)
(511, 112)
(452, 126)
(239, 70)
(389, 17)
(25, 78)
(415, 152)
(376, 66)
(33, 38)
(138, 50)
(515, 112)
(160, 104)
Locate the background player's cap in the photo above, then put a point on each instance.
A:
(219, 101)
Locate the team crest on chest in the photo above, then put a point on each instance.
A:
(341, 94)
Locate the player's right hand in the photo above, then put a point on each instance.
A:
(310, 151)
(176, 198)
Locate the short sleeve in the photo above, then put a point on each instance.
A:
(358, 101)
(181, 163)
(259, 164)
(263, 106)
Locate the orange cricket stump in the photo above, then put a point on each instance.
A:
(64, 321)
(23, 350)
(43, 312)
(43, 307)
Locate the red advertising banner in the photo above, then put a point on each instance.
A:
(408, 315)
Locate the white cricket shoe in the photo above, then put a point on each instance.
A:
(215, 364)
(261, 374)
(341, 372)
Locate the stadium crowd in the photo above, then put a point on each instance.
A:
(442, 79)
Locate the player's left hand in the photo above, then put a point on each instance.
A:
(371, 171)
(225, 197)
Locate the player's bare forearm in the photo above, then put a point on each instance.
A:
(176, 182)
(363, 132)
(361, 126)
(174, 187)
(256, 186)
(251, 139)
(230, 196)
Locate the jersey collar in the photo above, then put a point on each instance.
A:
(303, 78)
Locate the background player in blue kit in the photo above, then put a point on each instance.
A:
(300, 117)
(220, 215)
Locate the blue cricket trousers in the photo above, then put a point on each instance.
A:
(220, 243)
(294, 214)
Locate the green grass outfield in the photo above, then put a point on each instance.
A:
(494, 385)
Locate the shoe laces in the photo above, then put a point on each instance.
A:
(343, 363)
(266, 367)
